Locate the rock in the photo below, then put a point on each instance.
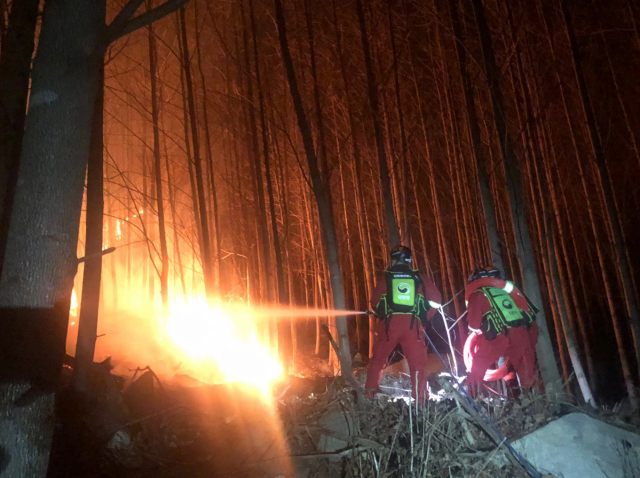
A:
(578, 446)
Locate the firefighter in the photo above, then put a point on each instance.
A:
(505, 321)
(402, 300)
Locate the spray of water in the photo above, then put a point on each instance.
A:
(274, 313)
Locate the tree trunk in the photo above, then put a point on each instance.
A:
(385, 180)
(155, 114)
(326, 220)
(206, 256)
(90, 302)
(284, 328)
(210, 166)
(40, 260)
(476, 141)
(15, 66)
(524, 247)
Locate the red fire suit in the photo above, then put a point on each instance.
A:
(410, 338)
(519, 344)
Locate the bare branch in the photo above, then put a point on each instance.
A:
(144, 19)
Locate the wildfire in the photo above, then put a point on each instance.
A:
(73, 310)
(221, 345)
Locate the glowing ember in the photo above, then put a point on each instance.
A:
(73, 310)
(222, 346)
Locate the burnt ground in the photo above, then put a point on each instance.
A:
(313, 428)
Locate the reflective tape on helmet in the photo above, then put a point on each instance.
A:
(508, 287)
(477, 331)
(433, 304)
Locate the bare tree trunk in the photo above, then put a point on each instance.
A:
(524, 247)
(207, 262)
(326, 219)
(284, 328)
(385, 180)
(210, 166)
(90, 302)
(476, 141)
(15, 66)
(263, 232)
(164, 254)
(40, 259)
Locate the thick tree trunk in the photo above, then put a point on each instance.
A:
(385, 180)
(327, 224)
(90, 302)
(40, 260)
(524, 247)
(15, 66)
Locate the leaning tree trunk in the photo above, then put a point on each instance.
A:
(326, 219)
(90, 302)
(15, 66)
(524, 247)
(40, 260)
(385, 180)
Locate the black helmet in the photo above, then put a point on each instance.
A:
(401, 254)
(484, 272)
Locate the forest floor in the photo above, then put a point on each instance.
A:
(311, 426)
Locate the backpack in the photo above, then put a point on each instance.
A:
(503, 315)
(402, 296)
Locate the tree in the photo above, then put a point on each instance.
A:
(327, 224)
(546, 359)
(15, 66)
(37, 277)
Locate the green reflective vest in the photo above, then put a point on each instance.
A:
(503, 315)
(405, 295)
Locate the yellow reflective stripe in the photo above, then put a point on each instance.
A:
(466, 303)
(508, 287)
(433, 304)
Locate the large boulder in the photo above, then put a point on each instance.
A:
(578, 446)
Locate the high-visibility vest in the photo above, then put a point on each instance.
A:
(503, 315)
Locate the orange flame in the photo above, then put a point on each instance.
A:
(73, 310)
(221, 345)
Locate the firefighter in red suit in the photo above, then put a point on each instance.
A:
(505, 320)
(403, 299)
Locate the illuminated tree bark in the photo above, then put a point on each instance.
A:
(326, 220)
(383, 166)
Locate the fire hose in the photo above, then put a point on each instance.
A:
(471, 348)
(523, 461)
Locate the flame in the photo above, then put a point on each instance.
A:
(118, 230)
(73, 310)
(221, 345)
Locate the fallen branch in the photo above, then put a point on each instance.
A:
(478, 420)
